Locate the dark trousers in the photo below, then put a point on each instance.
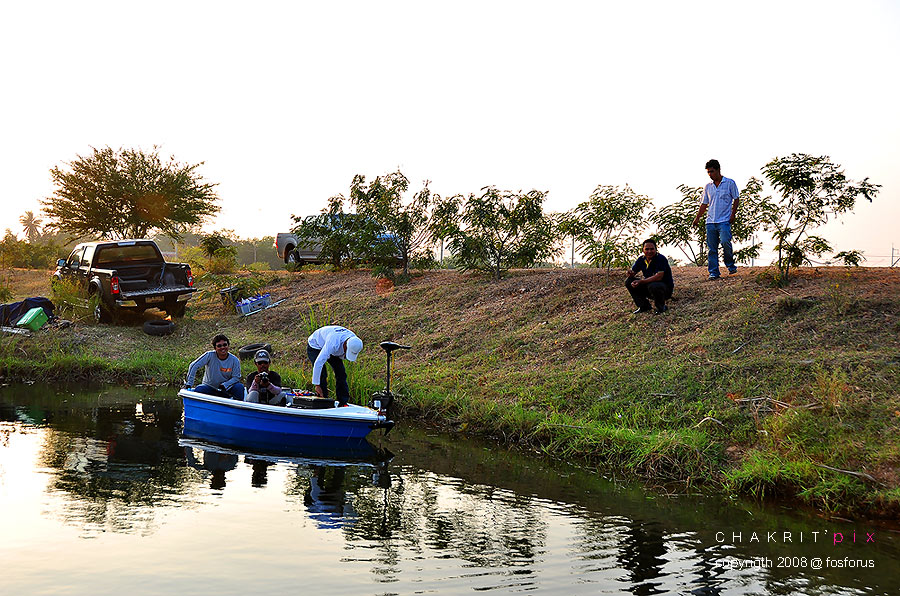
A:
(340, 375)
(641, 295)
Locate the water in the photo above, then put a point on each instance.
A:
(99, 495)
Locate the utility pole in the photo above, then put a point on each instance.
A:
(573, 251)
(893, 260)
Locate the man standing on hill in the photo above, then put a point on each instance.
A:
(720, 198)
(656, 281)
(332, 344)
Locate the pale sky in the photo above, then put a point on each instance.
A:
(286, 101)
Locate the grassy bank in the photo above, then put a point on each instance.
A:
(774, 392)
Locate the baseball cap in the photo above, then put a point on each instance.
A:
(354, 347)
(261, 356)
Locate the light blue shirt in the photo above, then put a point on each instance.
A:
(720, 199)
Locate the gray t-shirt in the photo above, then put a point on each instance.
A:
(218, 372)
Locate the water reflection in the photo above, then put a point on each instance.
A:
(442, 515)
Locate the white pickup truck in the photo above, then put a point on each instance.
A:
(289, 252)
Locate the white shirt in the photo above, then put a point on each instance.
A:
(720, 200)
(330, 341)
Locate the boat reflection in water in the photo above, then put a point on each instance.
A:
(322, 464)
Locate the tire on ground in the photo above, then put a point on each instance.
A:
(249, 351)
(158, 328)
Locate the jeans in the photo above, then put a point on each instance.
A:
(719, 233)
(340, 375)
(641, 295)
(235, 392)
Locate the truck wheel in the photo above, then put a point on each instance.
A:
(102, 314)
(158, 328)
(176, 311)
(293, 256)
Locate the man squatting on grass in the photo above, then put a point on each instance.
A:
(720, 197)
(332, 344)
(657, 280)
(222, 374)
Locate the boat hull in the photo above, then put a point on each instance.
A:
(273, 428)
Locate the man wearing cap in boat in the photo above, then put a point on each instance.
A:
(332, 344)
(264, 384)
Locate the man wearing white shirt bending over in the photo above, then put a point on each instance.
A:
(720, 197)
(332, 344)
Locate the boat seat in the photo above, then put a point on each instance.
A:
(389, 346)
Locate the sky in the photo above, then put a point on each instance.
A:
(284, 102)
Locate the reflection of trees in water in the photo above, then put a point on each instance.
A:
(115, 466)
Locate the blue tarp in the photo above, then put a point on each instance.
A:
(11, 313)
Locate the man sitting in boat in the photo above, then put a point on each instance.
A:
(264, 384)
(332, 344)
(222, 376)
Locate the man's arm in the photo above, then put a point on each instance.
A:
(700, 212)
(647, 280)
(734, 205)
(194, 367)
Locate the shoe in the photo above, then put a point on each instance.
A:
(642, 309)
(661, 311)
(712, 277)
(732, 271)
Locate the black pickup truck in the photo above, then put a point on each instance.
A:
(126, 275)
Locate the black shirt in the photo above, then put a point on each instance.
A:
(657, 264)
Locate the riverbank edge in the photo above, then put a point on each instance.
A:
(662, 460)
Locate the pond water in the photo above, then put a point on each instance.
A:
(100, 495)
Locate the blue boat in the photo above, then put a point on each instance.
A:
(275, 428)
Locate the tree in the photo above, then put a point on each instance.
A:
(405, 222)
(496, 230)
(345, 238)
(606, 226)
(674, 225)
(220, 254)
(813, 190)
(127, 194)
(31, 225)
(754, 210)
(850, 258)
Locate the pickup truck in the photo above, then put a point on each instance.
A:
(126, 275)
(286, 245)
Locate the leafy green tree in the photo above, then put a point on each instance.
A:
(127, 194)
(405, 222)
(813, 190)
(850, 258)
(497, 230)
(607, 225)
(31, 225)
(674, 225)
(343, 238)
(220, 253)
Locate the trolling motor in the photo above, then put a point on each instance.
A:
(382, 400)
